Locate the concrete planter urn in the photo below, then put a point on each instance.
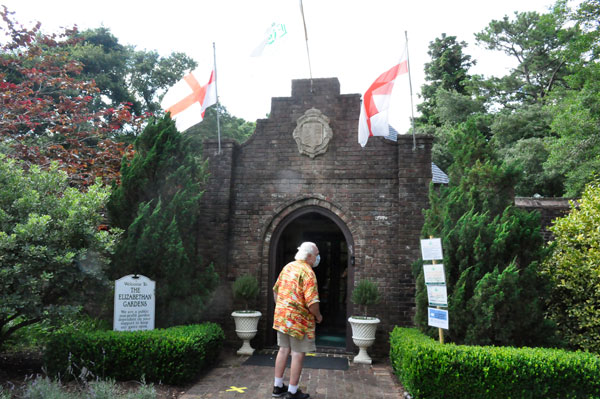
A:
(245, 289)
(363, 335)
(246, 327)
(365, 293)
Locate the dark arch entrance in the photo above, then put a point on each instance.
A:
(333, 273)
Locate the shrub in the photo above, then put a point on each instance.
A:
(173, 356)
(365, 294)
(492, 251)
(53, 250)
(245, 289)
(574, 268)
(158, 206)
(428, 369)
(44, 388)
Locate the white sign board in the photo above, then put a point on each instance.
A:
(431, 249)
(438, 318)
(437, 295)
(134, 303)
(434, 274)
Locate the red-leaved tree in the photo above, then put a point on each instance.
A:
(45, 107)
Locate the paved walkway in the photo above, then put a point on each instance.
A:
(231, 379)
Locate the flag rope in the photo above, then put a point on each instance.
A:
(217, 95)
(412, 114)
(307, 52)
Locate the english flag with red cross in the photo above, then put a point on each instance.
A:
(373, 120)
(187, 100)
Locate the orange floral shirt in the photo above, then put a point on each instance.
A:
(296, 290)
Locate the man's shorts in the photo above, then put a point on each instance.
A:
(296, 345)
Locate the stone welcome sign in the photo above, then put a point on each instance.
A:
(134, 303)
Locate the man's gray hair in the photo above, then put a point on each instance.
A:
(305, 249)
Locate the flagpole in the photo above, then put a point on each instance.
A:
(217, 95)
(307, 52)
(411, 94)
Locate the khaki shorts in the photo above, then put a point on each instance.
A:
(295, 344)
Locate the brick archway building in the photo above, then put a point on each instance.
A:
(302, 175)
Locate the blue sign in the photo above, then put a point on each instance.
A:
(438, 318)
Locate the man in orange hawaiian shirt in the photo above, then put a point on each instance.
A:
(296, 309)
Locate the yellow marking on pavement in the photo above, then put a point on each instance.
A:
(236, 389)
(311, 354)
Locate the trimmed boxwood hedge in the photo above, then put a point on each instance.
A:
(428, 369)
(173, 355)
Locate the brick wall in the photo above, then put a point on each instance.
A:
(378, 192)
(548, 208)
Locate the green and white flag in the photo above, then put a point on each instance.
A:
(276, 33)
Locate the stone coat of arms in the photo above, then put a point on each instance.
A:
(312, 133)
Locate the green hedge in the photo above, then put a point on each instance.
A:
(172, 356)
(430, 370)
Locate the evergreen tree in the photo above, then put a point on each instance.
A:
(157, 204)
(491, 250)
(447, 70)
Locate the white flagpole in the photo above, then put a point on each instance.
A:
(307, 52)
(217, 94)
(411, 94)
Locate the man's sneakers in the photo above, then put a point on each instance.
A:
(297, 395)
(278, 392)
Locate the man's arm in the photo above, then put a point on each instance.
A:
(315, 310)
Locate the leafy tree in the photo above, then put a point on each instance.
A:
(46, 108)
(528, 157)
(53, 248)
(491, 250)
(158, 205)
(521, 137)
(574, 267)
(447, 70)
(575, 146)
(126, 75)
(232, 127)
(536, 42)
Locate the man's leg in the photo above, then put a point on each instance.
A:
(296, 367)
(280, 361)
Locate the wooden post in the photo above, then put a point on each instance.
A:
(440, 331)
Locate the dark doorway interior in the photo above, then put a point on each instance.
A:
(332, 273)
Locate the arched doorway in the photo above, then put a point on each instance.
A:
(333, 238)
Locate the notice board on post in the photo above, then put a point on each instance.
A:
(435, 281)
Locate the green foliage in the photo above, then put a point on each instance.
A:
(574, 267)
(575, 151)
(45, 388)
(365, 293)
(535, 41)
(173, 356)
(491, 250)
(34, 337)
(428, 369)
(158, 205)
(232, 127)
(53, 255)
(245, 288)
(447, 71)
(124, 74)
(528, 157)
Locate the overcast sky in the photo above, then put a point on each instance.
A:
(353, 40)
